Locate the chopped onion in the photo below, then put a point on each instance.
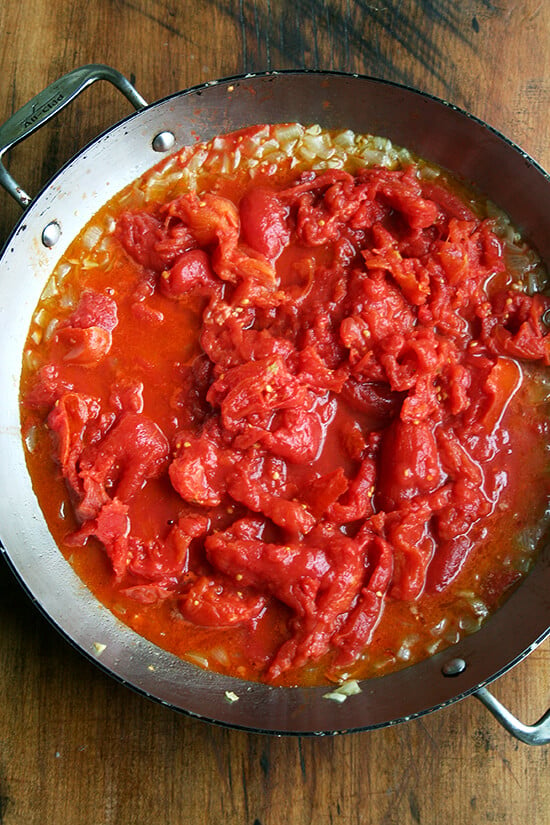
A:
(341, 693)
(469, 624)
(31, 439)
(286, 134)
(42, 317)
(50, 329)
(197, 659)
(452, 637)
(221, 655)
(346, 139)
(404, 653)
(49, 290)
(479, 607)
(31, 360)
(314, 129)
(197, 161)
(61, 272)
(439, 628)
(91, 236)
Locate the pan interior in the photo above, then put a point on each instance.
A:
(71, 199)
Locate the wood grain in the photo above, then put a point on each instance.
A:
(76, 747)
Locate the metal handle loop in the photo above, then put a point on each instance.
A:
(47, 104)
(537, 734)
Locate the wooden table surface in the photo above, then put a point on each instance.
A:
(76, 747)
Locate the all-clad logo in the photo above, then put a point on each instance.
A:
(43, 109)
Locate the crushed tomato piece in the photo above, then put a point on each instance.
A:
(291, 410)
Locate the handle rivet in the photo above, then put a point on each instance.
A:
(51, 234)
(163, 141)
(453, 667)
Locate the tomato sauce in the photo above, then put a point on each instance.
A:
(287, 415)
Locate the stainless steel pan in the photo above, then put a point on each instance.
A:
(433, 129)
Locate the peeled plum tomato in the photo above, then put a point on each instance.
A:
(338, 447)
(264, 222)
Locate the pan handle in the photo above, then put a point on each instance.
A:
(47, 104)
(537, 734)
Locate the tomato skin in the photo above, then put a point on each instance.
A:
(408, 464)
(95, 310)
(195, 472)
(103, 459)
(251, 482)
(264, 222)
(84, 346)
(209, 218)
(152, 240)
(219, 602)
(361, 621)
(322, 493)
(316, 578)
(356, 502)
(139, 233)
(68, 420)
(515, 327)
(374, 399)
(110, 524)
(190, 272)
(447, 563)
(47, 386)
(450, 203)
(86, 336)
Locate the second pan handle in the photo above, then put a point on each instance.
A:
(537, 734)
